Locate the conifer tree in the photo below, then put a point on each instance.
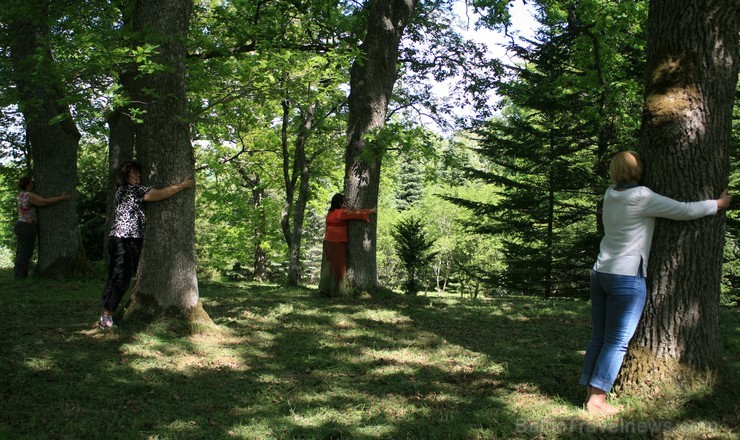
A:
(414, 249)
(562, 115)
(410, 184)
(542, 151)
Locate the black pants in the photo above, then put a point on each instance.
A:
(25, 234)
(124, 259)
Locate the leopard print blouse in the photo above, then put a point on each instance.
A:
(129, 211)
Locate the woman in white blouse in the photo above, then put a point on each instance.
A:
(618, 288)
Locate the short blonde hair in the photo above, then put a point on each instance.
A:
(626, 167)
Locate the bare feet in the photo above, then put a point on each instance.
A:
(589, 391)
(596, 403)
(602, 410)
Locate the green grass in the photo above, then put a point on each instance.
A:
(289, 364)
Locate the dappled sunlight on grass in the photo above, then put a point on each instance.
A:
(389, 369)
(344, 323)
(382, 316)
(40, 364)
(290, 364)
(530, 402)
(183, 426)
(403, 356)
(214, 350)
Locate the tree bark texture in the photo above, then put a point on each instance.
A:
(166, 282)
(372, 77)
(53, 138)
(299, 215)
(692, 67)
(296, 178)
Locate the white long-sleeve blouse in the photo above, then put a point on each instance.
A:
(629, 222)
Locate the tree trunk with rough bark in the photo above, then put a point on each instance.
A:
(372, 77)
(167, 283)
(53, 137)
(691, 79)
(299, 215)
(296, 180)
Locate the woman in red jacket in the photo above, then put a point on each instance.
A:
(334, 262)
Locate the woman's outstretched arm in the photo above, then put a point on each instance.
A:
(39, 201)
(156, 195)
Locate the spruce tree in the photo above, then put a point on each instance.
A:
(413, 248)
(410, 184)
(570, 104)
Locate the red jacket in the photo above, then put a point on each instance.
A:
(336, 223)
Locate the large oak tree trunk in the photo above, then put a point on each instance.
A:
(691, 78)
(166, 282)
(53, 138)
(372, 77)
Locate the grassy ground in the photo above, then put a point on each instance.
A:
(289, 364)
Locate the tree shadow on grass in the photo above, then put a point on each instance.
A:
(542, 345)
(289, 365)
(323, 359)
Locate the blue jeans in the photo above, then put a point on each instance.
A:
(616, 307)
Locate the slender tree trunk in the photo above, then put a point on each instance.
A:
(121, 147)
(122, 128)
(288, 176)
(550, 239)
(260, 263)
(692, 67)
(253, 183)
(437, 275)
(167, 282)
(295, 177)
(299, 214)
(299, 210)
(53, 138)
(372, 77)
(447, 276)
(605, 121)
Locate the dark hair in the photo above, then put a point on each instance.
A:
(124, 170)
(24, 181)
(336, 202)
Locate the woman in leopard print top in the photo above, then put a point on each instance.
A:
(127, 233)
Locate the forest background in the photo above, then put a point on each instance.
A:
(502, 167)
